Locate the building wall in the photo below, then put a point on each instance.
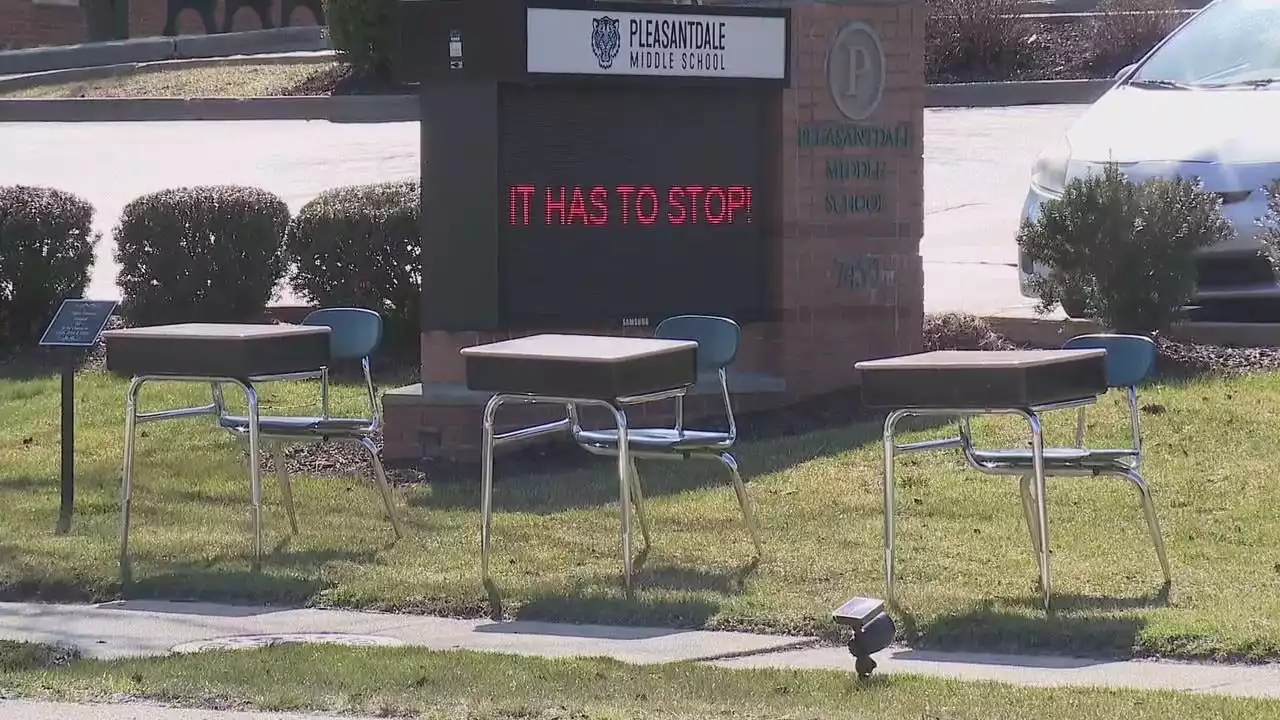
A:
(32, 23)
(28, 23)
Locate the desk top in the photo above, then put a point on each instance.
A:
(978, 359)
(217, 350)
(216, 331)
(578, 348)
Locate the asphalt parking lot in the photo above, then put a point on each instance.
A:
(976, 167)
(977, 162)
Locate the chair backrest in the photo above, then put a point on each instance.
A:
(717, 337)
(354, 333)
(1130, 358)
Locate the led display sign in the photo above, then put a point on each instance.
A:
(628, 204)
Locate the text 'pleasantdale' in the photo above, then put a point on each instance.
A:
(847, 135)
(668, 34)
(677, 44)
(595, 205)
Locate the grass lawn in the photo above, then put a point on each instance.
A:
(478, 686)
(966, 568)
(247, 80)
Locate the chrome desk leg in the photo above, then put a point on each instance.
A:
(1042, 520)
(1153, 524)
(286, 486)
(1029, 512)
(486, 485)
(624, 493)
(255, 471)
(890, 446)
(324, 392)
(1135, 428)
(126, 482)
(744, 502)
(384, 487)
(637, 497)
(219, 402)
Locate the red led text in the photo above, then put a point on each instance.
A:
(628, 204)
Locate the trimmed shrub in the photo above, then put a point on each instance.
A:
(961, 331)
(1125, 30)
(363, 32)
(360, 246)
(200, 254)
(46, 252)
(971, 40)
(1124, 252)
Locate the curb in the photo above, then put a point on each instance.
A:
(1043, 332)
(1065, 18)
(1010, 94)
(404, 108)
(349, 108)
(1060, 7)
(142, 50)
(1052, 332)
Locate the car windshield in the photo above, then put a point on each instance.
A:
(1231, 43)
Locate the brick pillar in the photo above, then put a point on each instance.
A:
(853, 178)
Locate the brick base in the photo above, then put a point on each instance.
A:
(451, 432)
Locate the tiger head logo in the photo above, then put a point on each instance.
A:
(606, 40)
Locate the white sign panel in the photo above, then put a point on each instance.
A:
(603, 42)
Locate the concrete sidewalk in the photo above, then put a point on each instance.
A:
(132, 628)
(135, 628)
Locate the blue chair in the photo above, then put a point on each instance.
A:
(1129, 360)
(354, 334)
(718, 339)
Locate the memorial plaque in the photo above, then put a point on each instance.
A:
(78, 323)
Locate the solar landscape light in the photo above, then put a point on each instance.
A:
(873, 630)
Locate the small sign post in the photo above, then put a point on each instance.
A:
(75, 327)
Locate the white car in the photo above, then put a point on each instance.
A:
(1204, 102)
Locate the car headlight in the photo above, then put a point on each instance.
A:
(1049, 172)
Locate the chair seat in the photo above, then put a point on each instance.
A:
(272, 425)
(1061, 457)
(658, 439)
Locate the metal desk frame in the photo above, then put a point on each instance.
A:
(616, 408)
(1031, 415)
(133, 417)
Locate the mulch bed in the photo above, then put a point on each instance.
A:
(1184, 360)
(342, 79)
